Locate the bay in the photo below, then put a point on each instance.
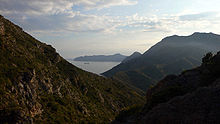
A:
(94, 67)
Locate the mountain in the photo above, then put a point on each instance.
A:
(191, 97)
(132, 56)
(102, 58)
(38, 86)
(170, 56)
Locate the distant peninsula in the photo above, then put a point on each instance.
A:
(102, 58)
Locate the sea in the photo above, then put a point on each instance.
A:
(94, 67)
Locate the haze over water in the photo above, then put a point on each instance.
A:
(94, 67)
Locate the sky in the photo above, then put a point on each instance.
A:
(94, 27)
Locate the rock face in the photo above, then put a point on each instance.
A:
(38, 86)
(192, 97)
(172, 55)
(2, 29)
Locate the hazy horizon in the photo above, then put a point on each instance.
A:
(93, 27)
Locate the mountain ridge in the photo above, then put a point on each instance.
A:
(102, 58)
(132, 56)
(162, 59)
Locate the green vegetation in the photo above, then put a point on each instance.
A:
(131, 111)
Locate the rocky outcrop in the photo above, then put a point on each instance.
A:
(2, 29)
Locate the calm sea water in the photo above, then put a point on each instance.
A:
(95, 67)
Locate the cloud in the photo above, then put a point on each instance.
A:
(80, 23)
(48, 7)
(62, 23)
(35, 7)
(146, 23)
(90, 23)
(60, 16)
(198, 16)
(100, 4)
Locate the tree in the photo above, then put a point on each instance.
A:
(206, 59)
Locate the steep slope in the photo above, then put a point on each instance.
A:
(38, 85)
(170, 56)
(192, 97)
(102, 58)
(132, 56)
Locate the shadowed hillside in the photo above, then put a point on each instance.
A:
(170, 56)
(191, 97)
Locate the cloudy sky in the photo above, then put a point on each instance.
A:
(87, 27)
